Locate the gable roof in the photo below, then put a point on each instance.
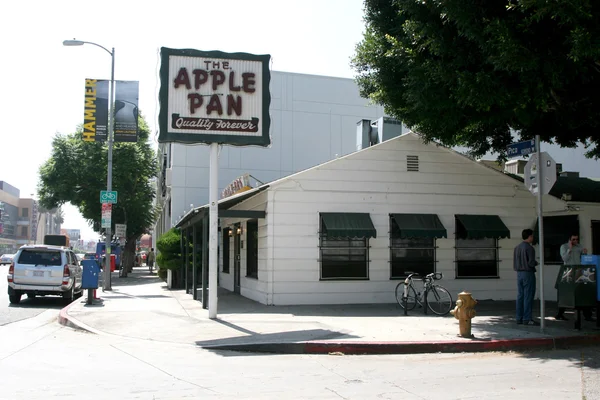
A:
(581, 189)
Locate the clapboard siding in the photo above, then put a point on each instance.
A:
(375, 181)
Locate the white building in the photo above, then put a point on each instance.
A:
(345, 231)
(313, 120)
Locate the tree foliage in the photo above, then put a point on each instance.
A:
(76, 172)
(466, 72)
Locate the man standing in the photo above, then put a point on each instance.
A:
(570, 253)
(150, 259)
(524, 263)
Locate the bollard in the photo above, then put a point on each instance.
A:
(464, 312)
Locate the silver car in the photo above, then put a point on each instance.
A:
(6, 258)
(44, 270)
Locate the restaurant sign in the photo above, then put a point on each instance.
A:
(214, 97)
(240, 184)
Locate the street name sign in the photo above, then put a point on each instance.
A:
(108, 197)
(521, 149)
(548, 172)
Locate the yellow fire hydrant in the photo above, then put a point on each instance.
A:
(464, 312)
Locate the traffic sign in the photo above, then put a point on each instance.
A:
(106, 215)
(548, 173)
(521, 149)
(120, 230)
(108, 197)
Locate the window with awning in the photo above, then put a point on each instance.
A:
(477, 245)
(412, 243)
(344, 245)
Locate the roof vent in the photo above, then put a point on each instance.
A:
(412, 163)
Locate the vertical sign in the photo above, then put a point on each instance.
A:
(126, 111)
(106, 214)
(215, 98)
(95, 118)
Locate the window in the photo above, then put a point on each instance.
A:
(252, 249)
(24, 231)
(411, 255)
(226, 239)
(477, 258)
(557, 230)
(344, 258)
(40, 257)
(26, 212)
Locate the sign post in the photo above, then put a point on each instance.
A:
(214, 98)
(540, 176)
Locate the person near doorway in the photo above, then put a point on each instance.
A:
(524, 264)
(570, 253)
(150, 259)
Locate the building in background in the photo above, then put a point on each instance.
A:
(313, 120)
(22, 221)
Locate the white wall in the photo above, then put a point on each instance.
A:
(376, 181)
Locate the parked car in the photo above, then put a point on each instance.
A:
(89, 256)
(79, 256)
(6, 258)
(44, 270)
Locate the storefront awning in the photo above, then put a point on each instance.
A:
(480, 226)
(348, 225)
(418, 226)
(557, 229)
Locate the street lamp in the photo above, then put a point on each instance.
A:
(74, 42)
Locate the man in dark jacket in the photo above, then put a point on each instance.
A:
(524, 263)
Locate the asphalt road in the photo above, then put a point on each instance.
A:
(28, 308)
(41, 360)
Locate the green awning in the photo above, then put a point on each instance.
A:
(480, 226)
(557, 229)
(348, 225)
(418, 226)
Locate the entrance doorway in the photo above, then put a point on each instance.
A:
(595, 237)
(237, 241)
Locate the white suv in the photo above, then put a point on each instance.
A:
(44, 270)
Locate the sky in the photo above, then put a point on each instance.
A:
(42, 81)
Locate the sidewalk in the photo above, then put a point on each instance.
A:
(141, 307)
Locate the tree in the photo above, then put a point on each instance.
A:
(467, 72)
(76, 173)
(169, 254)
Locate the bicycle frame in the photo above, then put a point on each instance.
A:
(421, 298)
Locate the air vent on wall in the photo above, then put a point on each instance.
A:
(412, 163)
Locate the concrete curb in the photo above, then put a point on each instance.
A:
(321, 347)
(69, 321)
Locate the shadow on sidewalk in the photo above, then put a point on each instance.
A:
(588, 357)
(275, 337)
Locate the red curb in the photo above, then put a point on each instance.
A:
(66, 320)
(355, 348)
(427, 347)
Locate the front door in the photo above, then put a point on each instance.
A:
(237, 241)
(595, 237)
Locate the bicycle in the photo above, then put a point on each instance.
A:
(437, 298)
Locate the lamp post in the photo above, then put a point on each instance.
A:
(108, 238)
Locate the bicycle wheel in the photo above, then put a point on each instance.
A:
(411, 301)
(439, 300)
